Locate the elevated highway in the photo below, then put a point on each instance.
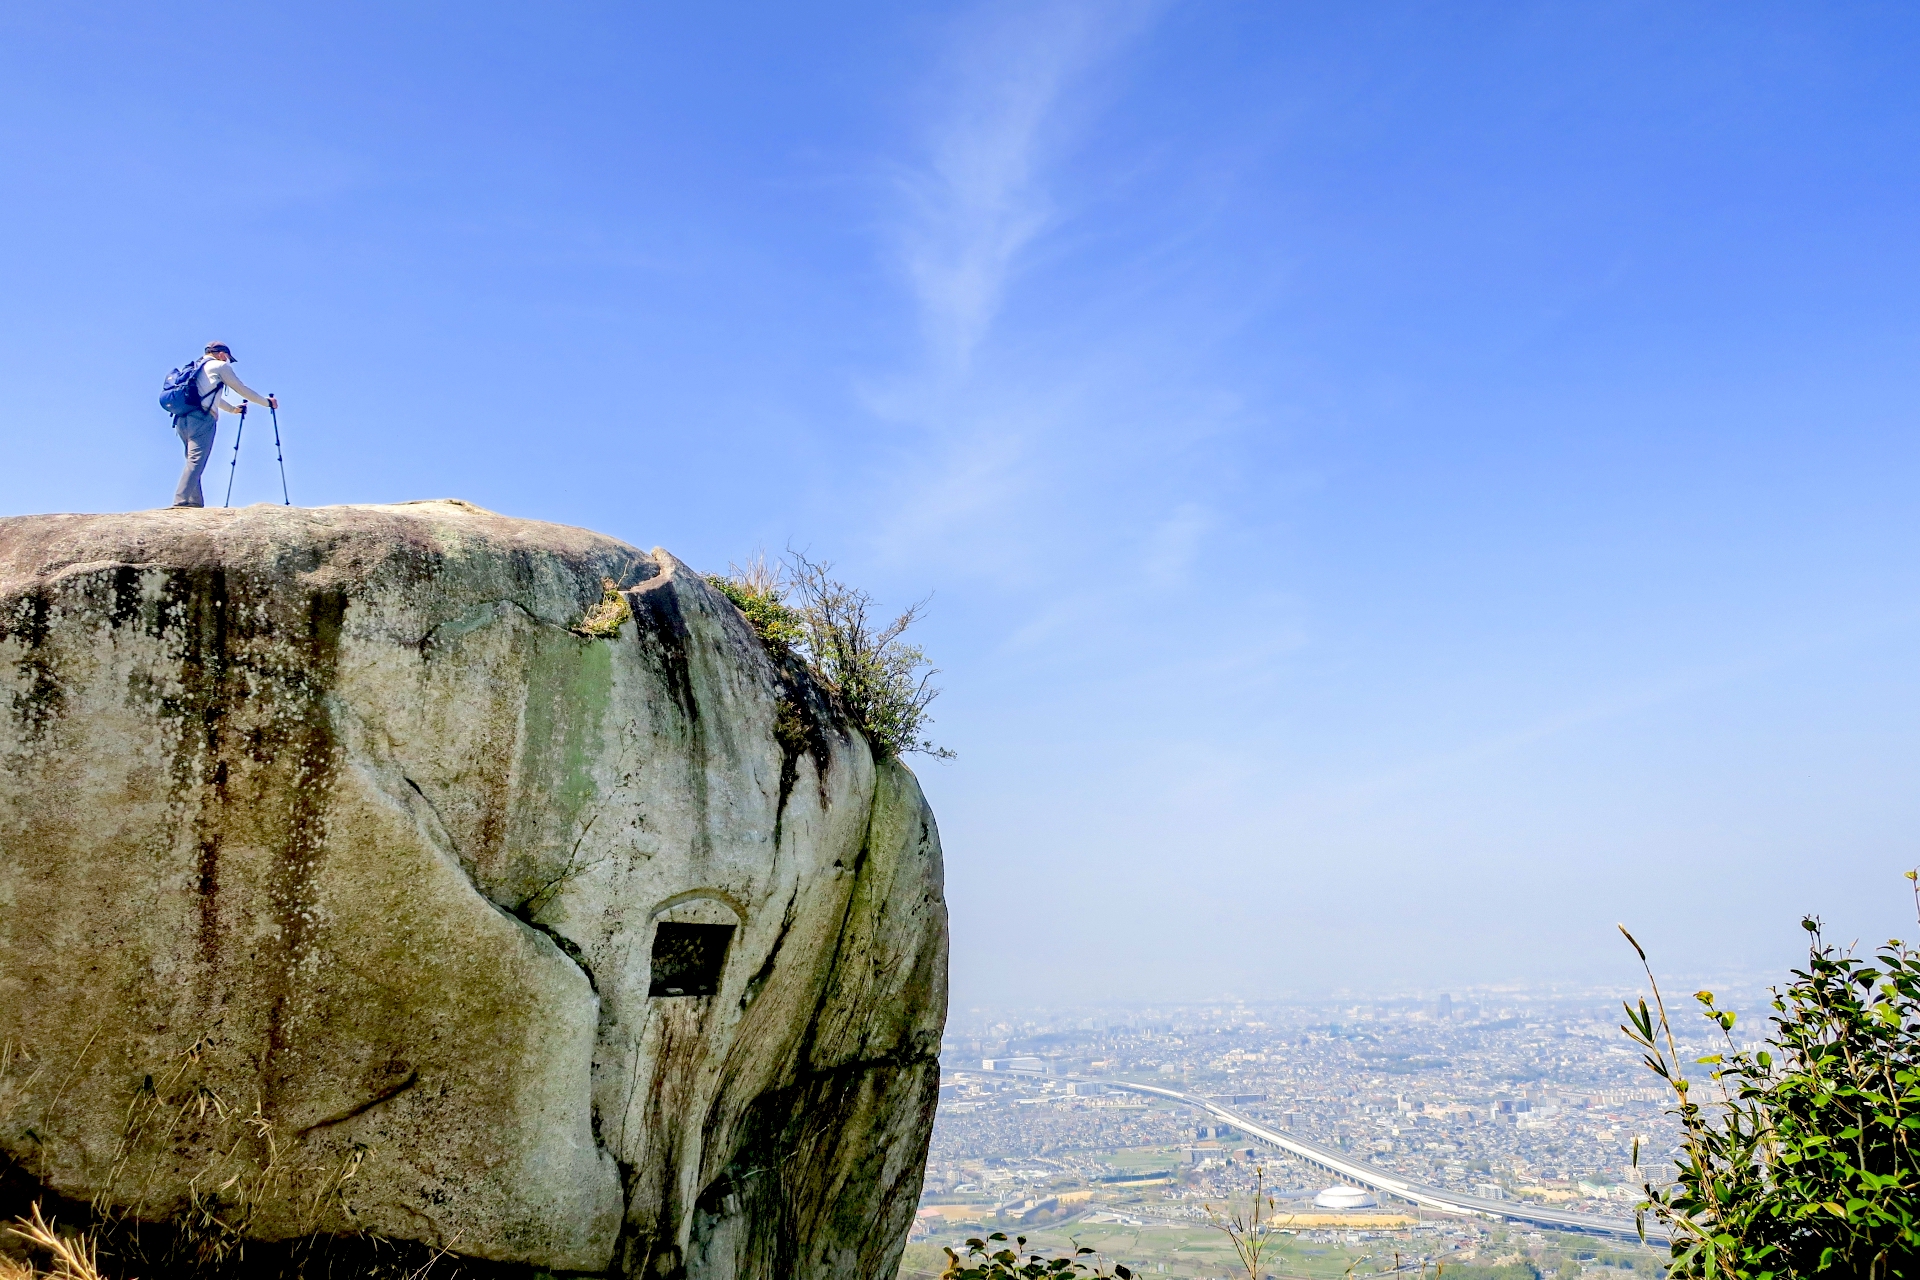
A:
(1360, 1173)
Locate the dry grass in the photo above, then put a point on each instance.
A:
(242, 1168)
(75, 1257)
(14, 1087)
(603, 620)
(759, 576)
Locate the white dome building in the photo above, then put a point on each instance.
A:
(1345, 1197)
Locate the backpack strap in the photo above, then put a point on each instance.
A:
(212, 395)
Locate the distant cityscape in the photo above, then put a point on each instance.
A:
(1525, 1098)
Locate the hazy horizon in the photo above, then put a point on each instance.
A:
(1402, 488)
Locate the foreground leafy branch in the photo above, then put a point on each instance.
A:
(985, 1262)
(1800, 1161)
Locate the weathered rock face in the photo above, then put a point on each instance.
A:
(345, 887)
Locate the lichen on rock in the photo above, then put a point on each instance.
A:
(380, 827)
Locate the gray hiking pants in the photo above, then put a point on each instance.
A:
(196, 436)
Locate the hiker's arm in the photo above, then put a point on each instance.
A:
(232, 379)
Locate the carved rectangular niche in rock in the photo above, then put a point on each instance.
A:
(688, 958)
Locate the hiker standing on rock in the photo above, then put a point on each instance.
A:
(192, 395)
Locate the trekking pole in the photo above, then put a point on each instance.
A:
(273, 407)
(235, 464)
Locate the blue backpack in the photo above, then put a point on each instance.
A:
(178, 394)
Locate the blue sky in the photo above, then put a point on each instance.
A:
(1404, 486)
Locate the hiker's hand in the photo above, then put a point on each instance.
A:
(273, 402)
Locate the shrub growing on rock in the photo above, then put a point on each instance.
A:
(882, 682)
(759, 591)
(603, 620)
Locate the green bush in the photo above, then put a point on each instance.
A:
(985, 1262)
(883, 683)
(1802, 1163)
(762, 601)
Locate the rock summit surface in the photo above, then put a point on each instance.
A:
(350, 884)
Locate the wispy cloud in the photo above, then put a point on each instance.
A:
(980, 196)
(1156, 560)
(1017, 89)
(1176, 542)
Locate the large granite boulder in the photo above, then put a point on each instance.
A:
(367, 870)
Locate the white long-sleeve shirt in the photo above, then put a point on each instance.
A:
(215, 374)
